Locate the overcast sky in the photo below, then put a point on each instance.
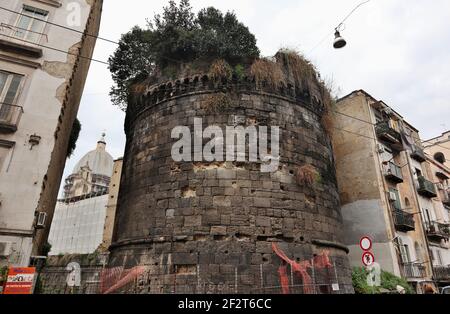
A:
(398, 51)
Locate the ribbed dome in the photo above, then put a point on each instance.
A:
(99, 160)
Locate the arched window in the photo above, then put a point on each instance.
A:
(407, 203)
(439, 157)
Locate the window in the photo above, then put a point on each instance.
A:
(406, 255)
(439, 157)
(404, 252)
(439, 257)
(407, 203)
(427, 216)
(418, 172)
(9, 87)
(9, 90)
(30, 25)
(418, 251)
(4, 152)
(396, 203)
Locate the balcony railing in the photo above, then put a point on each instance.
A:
(9, 117)
(16, 40)
(442, 273)
(413, 270)
(393, 172)
(418, 153)
(404, 221)
(426, 188)
(22, 34)
(387, 132)
(438, 231)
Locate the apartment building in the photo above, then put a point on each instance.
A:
(45, 51)
(385, 186)
(437, 218)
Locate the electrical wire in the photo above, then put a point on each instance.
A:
(355, 133)
(352, 117)
(435, 144)
(58, 50)
(167, 58)
(59, 25)
(353, 11)
(73, 30)
(339, 25)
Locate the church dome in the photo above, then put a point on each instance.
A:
(99, 161)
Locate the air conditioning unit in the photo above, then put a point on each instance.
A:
(41, 219)
(5, 249)
(392, 196)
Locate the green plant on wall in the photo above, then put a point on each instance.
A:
(388, 281)
(46, 248)
(239, 71)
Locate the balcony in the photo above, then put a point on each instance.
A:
(387, 132)
(442, 273)
(437, 231)
(426, 188)
(413, 271)
(418, 153)
(393, 172)
(445, 197)
(9, 117)
(13, 43)
(403, 221)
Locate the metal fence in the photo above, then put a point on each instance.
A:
(197, 279)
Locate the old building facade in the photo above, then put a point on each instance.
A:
(40, 91)
(385, 186)
(437, 218)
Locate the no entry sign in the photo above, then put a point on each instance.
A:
(20, 280)
(365, 243)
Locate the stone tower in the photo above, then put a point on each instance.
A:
(202, 227)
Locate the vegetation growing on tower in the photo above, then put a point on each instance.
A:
(180, 43)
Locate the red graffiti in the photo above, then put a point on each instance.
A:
(300, 269)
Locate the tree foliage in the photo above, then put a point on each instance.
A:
(178, 36)
(74, 134)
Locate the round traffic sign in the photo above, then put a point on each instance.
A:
(365, 243)
(368, 259)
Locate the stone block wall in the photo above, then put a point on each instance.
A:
(223, 217)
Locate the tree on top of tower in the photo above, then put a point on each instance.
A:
(175, 40)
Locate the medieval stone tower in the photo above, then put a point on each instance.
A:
(200, 227)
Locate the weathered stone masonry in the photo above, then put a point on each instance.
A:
(219, 217)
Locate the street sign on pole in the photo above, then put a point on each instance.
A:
(365, 243)
(368, 259)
